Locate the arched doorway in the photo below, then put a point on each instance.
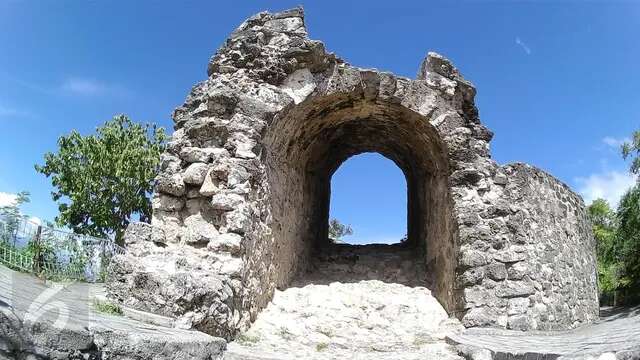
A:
(306, 145)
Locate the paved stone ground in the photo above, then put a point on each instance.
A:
(41, 321)
(615, 336)
(367, 307)
(362, 304)
(339, 311)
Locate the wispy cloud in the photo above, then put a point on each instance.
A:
(613, 142)
(6, 112)
(608, 185)
(523, 45)
(72, 85)
(89, 87)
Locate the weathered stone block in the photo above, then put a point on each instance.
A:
(226, 202)
(172, 184)
(167, 203)
(195, 173)
(511, 289)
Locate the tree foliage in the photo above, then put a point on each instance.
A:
(604, 222)
(631, 151)
(618, 235)
(338, 230)
(102, 180)
(627, 247)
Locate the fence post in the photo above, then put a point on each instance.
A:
(36, 247)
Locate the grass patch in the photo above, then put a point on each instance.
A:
(422, 339)
(246, 339)
(108, 308)
(285, 333)
(328, 332)
(321, 346)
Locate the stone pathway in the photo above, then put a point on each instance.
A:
(615, 336)
(42, 321)
(345, 309)
(362, 305)
(369, 319)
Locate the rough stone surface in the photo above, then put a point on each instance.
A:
(614, 337)
(344, 309)
(59, 322)
(276, 117)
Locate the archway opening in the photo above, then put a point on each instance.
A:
(306, 144)
(368, 202)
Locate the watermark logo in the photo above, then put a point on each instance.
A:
(46, 303)
(38, 302)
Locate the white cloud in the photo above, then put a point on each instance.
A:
(610, 185)
(614, 142)
(7, 199)
(80, 86)
(90, 87)
(524, 46)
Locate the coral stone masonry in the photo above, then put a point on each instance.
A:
(241, 203)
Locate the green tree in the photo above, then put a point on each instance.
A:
(603, 219)
(628, 246)
(102, 180)
(338, 230)
(631, 150)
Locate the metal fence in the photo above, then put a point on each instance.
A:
(52, 253)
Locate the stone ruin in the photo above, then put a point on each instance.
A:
(242, 198)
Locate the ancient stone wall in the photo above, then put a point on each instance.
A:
(242, 198)
(530, 264)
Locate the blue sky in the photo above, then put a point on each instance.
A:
(558, 82)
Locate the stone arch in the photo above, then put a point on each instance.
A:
(277, 110)
(306, 143)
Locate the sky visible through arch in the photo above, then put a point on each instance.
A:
(376, 205)
(558, 82)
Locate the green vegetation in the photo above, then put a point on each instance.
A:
(338, 230)
(246, 339)
(321, 346)
(11, 216)
(26, 258)
(421, 340)
(631, 151)
(328, 332)
(41, 250)
(604, 223)
(285, 333)
(107, 307)
(617, 233)
(102, 180)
